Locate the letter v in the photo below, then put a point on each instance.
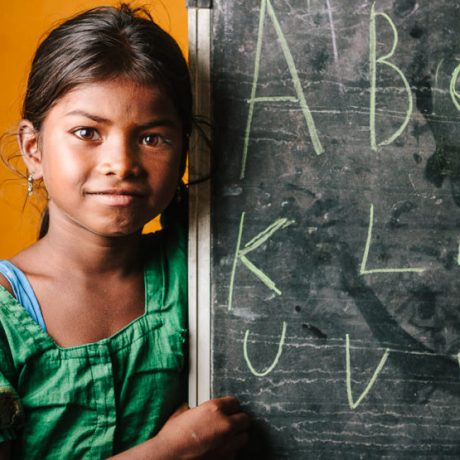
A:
(354, 405)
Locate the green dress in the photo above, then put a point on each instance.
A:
(92, 401)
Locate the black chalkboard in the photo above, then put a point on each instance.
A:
(336, 225)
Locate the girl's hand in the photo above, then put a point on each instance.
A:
(215, 429)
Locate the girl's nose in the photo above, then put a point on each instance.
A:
(120, 159)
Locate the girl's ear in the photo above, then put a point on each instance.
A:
(28, 140)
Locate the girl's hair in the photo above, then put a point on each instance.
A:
(104, 43)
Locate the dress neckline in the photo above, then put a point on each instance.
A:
(154, 298)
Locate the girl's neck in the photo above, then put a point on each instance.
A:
(84, 252)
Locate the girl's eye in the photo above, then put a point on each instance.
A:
(89, 134)
(153, 140)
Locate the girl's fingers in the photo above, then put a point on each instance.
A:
(228, 404)
(240, 421)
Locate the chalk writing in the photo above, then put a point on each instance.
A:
(277, 357)
(436, 78)
(373, 61)
(454, 94)
(265, 8)
(354, 404)
(340, 332)
(364, 270)
(240, 254)
(331, 25)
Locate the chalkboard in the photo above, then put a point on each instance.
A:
(336, 225)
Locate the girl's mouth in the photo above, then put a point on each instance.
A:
(117, 197)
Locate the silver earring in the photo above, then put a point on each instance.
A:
(30, 184)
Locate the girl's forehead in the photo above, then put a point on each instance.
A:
(116, 96)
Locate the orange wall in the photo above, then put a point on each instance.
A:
(21, 26)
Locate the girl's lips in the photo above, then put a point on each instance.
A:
(117, 197)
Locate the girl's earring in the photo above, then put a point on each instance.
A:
(30, 184)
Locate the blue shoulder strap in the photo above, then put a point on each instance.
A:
(22, 290)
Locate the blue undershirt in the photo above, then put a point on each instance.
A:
(22, 290)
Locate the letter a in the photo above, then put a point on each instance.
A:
(266, 6)
(373, 61)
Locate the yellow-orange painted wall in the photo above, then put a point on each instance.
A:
(22, 24)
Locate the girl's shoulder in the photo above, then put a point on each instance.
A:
(17, 290)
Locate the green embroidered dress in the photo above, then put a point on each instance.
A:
(95, 400)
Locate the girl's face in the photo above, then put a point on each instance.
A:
(109, 154)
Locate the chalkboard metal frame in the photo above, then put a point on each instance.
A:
(199, 247)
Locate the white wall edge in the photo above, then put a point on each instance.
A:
(199, 260)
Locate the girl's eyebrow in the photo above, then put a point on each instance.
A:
(166, 122)
(87, 115)
(150, 124)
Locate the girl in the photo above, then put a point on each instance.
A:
(92, 316)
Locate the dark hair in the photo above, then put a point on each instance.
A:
(104, 43)
(101, 44)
